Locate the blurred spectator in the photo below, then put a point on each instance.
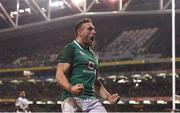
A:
(22, 104)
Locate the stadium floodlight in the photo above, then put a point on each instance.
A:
(78, 2)
(97, 1)
(43, 9)
(50, 102)
(21, 10)
(28, 10)
(51, 80)
(133, 102)
(137, 84)
(34, 80)
(16, 81)
(147, 76)
(120, 102)
(137, 80)
(58, 4)
(1, 83)
(40, 102)
(106, 102)
(121, 81)
(12, 14)
(59, 102)
(15, 12)
(30, 102)
(101, 78)
(177, 76)
(111, 77)
(146, 102)
(161, 74)
(27, 73)
(177, 101)
(136, 76)
(161, 102)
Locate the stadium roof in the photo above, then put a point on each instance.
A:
(17, 13)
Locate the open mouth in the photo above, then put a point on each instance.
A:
(92, 38)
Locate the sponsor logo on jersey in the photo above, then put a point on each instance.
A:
(90, 71)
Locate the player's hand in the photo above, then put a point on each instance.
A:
(77, 89)
(114, 98)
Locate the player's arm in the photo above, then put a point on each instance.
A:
(64, 64)
(62, 70)
(61, 78)
(103, 93)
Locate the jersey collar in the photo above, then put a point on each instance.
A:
(79, 45)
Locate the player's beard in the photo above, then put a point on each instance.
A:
(89, 41)
(94, 44)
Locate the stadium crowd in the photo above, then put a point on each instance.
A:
(41, 49)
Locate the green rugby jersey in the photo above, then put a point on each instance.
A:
(84, 64)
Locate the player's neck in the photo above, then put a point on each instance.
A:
(80, 42)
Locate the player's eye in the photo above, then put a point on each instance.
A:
(90, 28)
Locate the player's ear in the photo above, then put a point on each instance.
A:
(79, 32)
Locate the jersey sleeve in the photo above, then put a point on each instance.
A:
(66, 56)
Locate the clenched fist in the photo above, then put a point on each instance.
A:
(77, 89)
(114, 98)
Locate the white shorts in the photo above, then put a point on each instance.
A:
(75, 104)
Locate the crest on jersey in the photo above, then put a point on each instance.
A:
(91, 65)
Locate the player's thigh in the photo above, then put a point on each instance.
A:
(97, 107)
(69, 105)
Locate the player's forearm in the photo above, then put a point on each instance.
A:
(101, 91)
(63, 81)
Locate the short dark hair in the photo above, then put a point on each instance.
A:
(21, 91)
(79, 24)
